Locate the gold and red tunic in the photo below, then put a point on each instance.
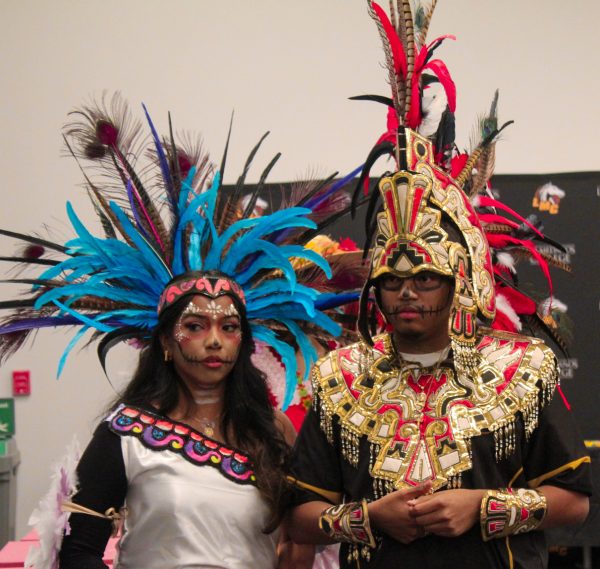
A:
(419, 421)
(380, 423)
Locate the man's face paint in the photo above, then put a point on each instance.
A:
(206, 340)
(418, 308)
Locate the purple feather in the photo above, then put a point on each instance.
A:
(48, 322)
(41, 322)
(319, 199)
(162, 160)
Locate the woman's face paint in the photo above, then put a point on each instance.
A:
(206, 340)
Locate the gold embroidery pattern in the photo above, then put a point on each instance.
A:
(511, 511)
(349, 523)
(419, 421)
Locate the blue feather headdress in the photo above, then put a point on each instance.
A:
(180, 221)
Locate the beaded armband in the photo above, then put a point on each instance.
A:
(348, 523)
(510, 511)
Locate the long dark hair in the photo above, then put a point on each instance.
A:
(248, 415)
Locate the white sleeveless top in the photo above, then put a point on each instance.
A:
(186, 515)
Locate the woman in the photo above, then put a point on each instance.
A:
(202, 476)
(193, 447)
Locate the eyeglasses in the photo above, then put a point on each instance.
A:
(424, 281)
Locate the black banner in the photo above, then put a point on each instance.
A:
(568, 204)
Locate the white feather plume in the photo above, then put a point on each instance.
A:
(506, 260)
(550, 304)
(48, 519)
(434, 104)
(503, 306)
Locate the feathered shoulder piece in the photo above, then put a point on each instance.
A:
(163, 212)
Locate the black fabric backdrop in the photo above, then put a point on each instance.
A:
(568, 205)
(572, 220)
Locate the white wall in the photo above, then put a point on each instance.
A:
(283, 65)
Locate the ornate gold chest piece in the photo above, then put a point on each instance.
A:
(419, 421)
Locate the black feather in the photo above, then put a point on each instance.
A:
(376, 98)
(445, 135)
(221, 198)
(32, 239)
(318, 187)
(22, 303)
(259, 187)
(308, 235)
(174, 168)
(371, 227)
(377, 152)
(537, 324)
(494, 134)
(111, 339)
(226, 149)
(35, 282)
(30, 260)
(232, 202)
(363, 321)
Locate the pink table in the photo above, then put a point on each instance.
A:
(13, 554)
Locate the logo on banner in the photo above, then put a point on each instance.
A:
(553, 312)
(551, 251)
(547, 198)
(567, 367)
(495, 193)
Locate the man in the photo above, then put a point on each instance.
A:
(437, 405)
(441, 444)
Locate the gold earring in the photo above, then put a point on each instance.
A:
(168, 356)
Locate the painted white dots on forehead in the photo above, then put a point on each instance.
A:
(212, 310)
